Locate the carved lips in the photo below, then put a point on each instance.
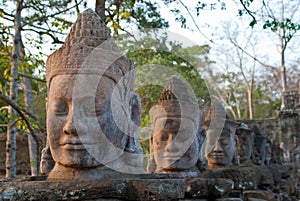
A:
(74, 144)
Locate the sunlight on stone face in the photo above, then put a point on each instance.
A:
(75, 121)
(174, 144)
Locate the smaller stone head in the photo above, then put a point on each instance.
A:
(259, 152)
(221, 141)
(174, 143)
(245, 143)
(268, 152)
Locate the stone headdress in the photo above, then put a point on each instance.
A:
(89, 49)
(215, 117)
(176, 100)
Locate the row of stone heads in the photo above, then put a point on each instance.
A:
(184, 137)
(93, 116)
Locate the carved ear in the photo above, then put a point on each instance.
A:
(135, 109)
(236, 158)
(47, 162)
(151, 166)
(135, 119)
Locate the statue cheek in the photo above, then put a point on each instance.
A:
(55, 127)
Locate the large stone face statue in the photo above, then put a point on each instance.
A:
(92, 110)
(174, 143)
(221, 141)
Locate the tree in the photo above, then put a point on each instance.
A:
(239, 63)
(11, 131)
(281, 18)
(141, 13)
(157, 58)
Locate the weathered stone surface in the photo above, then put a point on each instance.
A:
(92, 109)
(243, 177)
(229, 199)
(157, 189)
(174, 141)
(221, 141)
(260, 195)
(144, 187)
(245, 144)
(201, 187)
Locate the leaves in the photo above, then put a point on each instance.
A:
(141, 13)
(166, 56)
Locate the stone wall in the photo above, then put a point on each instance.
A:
(291, 99)
(286, 126)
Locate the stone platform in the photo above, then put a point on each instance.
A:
(142, 187)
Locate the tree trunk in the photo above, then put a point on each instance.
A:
(32, 144)
(11, 144)
(283, 43)
(250, 102)
(237, 108)
(250, 95)
(100, 9)
(232, 112)
(283, 79)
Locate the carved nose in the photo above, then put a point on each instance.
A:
(69, 128)
(172, 147)
(218, 147)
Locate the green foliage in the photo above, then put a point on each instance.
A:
(178, 9)
(32, 163)
(234, 91)
(264, 105)
(142, 13)
(156, 59)
(40, 24)
(3, 120)
(290, 27)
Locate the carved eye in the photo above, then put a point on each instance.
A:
(225, 141)
(164, 136)
(61, 108)
(89, 110)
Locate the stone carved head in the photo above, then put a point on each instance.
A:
(221, 140)
(245, 143)
(92, 110)
(259, 153)
(174, 143)
(259, 146)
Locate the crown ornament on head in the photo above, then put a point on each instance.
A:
(215, 117)
(89, 49)
(177, 101)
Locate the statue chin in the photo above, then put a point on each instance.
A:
(79, 164)
(79, 161)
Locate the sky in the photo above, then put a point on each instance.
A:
(211, 31)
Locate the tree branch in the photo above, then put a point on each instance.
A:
(194, 21)
(33, 78)
(249, 12)
(55, 39)
(44, 18)
(10, 15)
(254, 58)
(22, 113)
